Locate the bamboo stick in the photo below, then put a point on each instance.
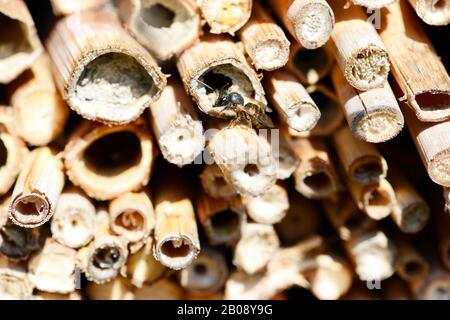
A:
(176, 125)
(165, 27)
(37, 189)
(436, 13)
(67, 7)
(225, 16)
(359, 50)
(291, 101)
(40, 113)
(108, 161)
(316, 177)
(264, 41)
(215, 63)
(19, 44)
(310, 22)
(73, 223)
(214, 184)
(373, 4)
(14, 281)
(117, 289)
(53, 268)
(221, 219)
(164, 289)
(361, 161)
(416, 66)
(374, 115)
(112, 79)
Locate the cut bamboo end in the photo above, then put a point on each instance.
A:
(214, 184)
(40, 113)
(245, 159)
(67, 7)
(165, 27)
(14, 281)
(362, 162)
(221, 218)
(416, 66)
(117, 289)
(374, 4)
(37, 189)
(291, 101)
(132, 217)
(225, 16)
(164, 289)
(436, 13)
(207, 274)
(53, 268)
(20, 45)
(374, 115)
(447, 199)
(269, 208)
(264, 41)
(316, 177)
(359, 50)
(214, 63)
(177, 127)
(108, 161)
(73, 223)
(111, 78)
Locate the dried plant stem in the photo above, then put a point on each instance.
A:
(67, 7)
(214, 184)
(14, 281)
(226, 15)
(117, 289)
(434, 12)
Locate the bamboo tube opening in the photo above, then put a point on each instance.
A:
(369, 67)
(378, 203)
(33, 208)
(438, 290)
(13, 38)
(320, 182)
(130, 220)
(179, 248)
(434, 12)
(3, 153)
(225, 224)
(430, 101)
(107, 257)
(312, 65)
(157, 15)
(225, 15)
(367, 170)
(415, 216)
(413, 269)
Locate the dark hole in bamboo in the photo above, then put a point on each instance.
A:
(328, 107)
(13, 38)
(413, 268)
(3, 154)
(224, 223)
(130, 220)
(158, 16)
(251, 169)
(216, 81)
(307, 60)
(415, 216)
(30, 207)
(113, 154)
(200, 269)
(175, 250)
(377, 199)
(439, 5)
(428, 101)
(319, 182)
(368, 172)
(106, 257)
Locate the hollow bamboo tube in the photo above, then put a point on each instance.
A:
(361, 161)
(108, 161)
(131, 216)
(37, 189)
(117, 289)
(437, 284)
(13, 150)
(441, 227)
(176, 236)
(220, 218)
(40, 113)
(73, 223)
(53, 268)
(214, 184)
(359, 50)
(434, 12)
(269, 208)
(373, 4)
(447, 199)
(256, 247)
(164, 289)
(216, 62)
(226, 16)
(105, 257)
(14, 281)
(245, 159)
(207, 274)
(310, 22)
(416, 66)
(176, 125)
(374, 115)
(264, 41)
(108, 78)
(291, 101)
(316, 177)
(19, 44)
(67, 7)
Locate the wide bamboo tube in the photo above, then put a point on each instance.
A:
(316, 177)
(117, 289)
(73, 224)
(359, 50)
(39, 111)
(310, 22)
(374, 115)
(207, 274)
(53, 268)
(13, 150)
(67, 7)
(19, 44)
(292, 102)
(165, 27)
(373, 4)
(361, 161)
(416, 66)
(225, 15)
(108, 161)
(214, 184)
(14, 281)
(256, 247)
(436, 13)
(217, 63)
(221, 218)
(176, 125)
(164, 289)
(105, 257)
(101, 71)
(264, 41)
(37, 189)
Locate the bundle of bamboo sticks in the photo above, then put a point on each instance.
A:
(217, 149)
